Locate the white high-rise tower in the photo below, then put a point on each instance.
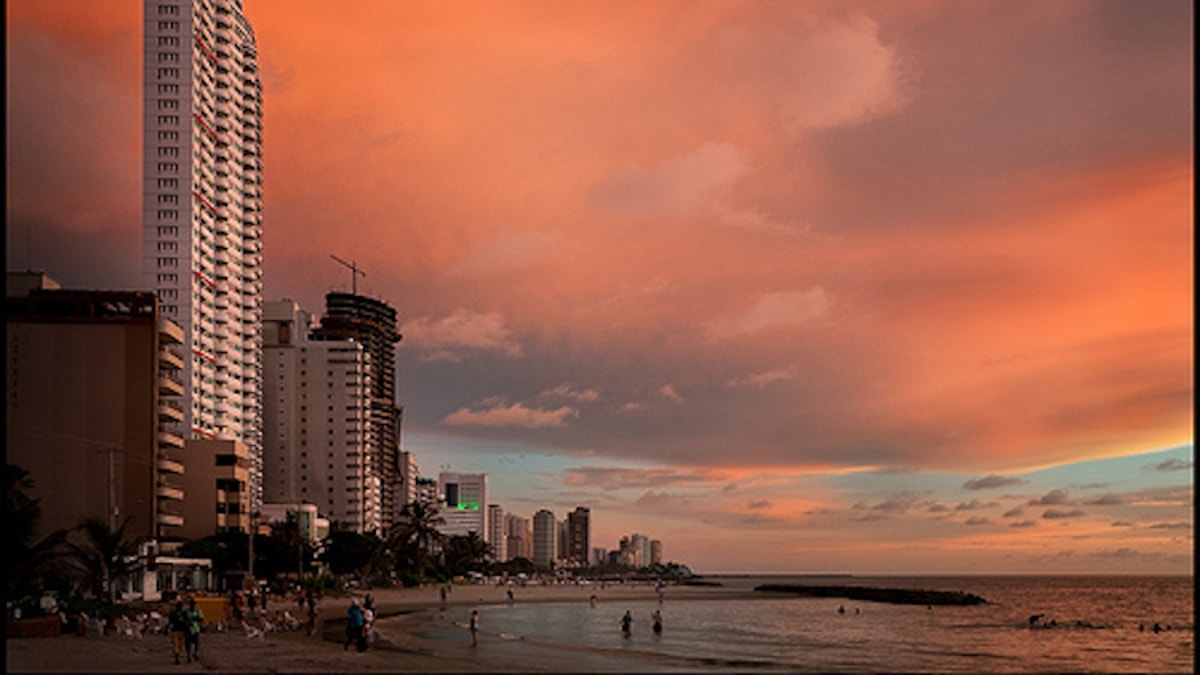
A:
(202, 210)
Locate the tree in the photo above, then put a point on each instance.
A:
(24, 559)
(417, 538)
(465, 553)
(349, 552)
(101, 555)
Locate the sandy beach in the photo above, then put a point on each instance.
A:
(399, 649)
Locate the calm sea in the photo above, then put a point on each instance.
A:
(1102, 624)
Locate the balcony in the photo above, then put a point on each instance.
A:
(168, 412)
(168, 465)
(170, 518)
(169, 359)
(170, 439)
(169, 386)
(169, 491)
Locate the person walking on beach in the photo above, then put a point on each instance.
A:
(442, 592)
(657, 618)
(510, 596)
(177, 622)
(474, 627)
(191, 639)
(354, 626)
(627, 624)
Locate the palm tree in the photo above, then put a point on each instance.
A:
(417, 537)
(465, 552)
(101, 555)
(24, 560)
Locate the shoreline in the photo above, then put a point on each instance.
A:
(398, 649)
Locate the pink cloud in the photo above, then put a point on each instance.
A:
(501, 414)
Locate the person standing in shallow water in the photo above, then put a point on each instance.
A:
(658, 622)
(627, 624)
(474, 627)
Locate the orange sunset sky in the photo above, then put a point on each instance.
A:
(867, 287)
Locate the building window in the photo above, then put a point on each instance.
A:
(168, 246)
(168, 120)
(167, 73)
(168, 41)
(168, 214)
(168, 9)
(168, 262)
(172, 167)
(167, 183)
(167, 230)
(168, 57)
(168, 104)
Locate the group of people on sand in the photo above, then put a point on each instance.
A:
(360, 624)
(184, 625)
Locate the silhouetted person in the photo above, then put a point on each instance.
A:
(510, 596)
(658, 622)
(1035, 618)
(627, 624)
(178, 625)
(354, 625)
(474, 627)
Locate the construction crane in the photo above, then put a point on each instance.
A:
(354, 273)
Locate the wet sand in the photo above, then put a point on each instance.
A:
(399, 649)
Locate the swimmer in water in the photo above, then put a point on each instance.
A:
(657, 617)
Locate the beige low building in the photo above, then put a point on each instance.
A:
(217, 485)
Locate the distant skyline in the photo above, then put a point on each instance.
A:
(796, 287)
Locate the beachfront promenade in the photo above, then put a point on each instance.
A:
(288, 652)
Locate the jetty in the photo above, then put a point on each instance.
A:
(898, 596)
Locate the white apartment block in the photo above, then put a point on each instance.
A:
(464, 504)
(202, 210)
(518, 535)
(545, 538)
(408, 474)
(496, 535)
(316, 421)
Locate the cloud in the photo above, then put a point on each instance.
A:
(991, 481)
(972, 505)
(1051, 514)
(760, 380)
(1050, 498)
(1023, 523)
(1174, 465)
(1013, 512)
(1176, 525)
(977, 521)
(897, 503)
(1122, 523)
(681, 186)
(759, 504)
(464, 331)
(775, 310)
(615, 479)
(500, 414)
(568, 391)
(1106, 500)
(668, 392)
(654, 499)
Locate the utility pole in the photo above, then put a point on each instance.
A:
(253, 529)
(354, 273)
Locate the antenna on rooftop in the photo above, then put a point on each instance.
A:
(354, 273)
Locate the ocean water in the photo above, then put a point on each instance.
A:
(1102, 624)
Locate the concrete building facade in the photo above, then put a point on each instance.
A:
(518, 535)
(202, 210)
(217, 482)
(579, 535)
(463, 504)
(372, 324)
(545, 538)
(318, 428)
(92, 395)
(496, 536)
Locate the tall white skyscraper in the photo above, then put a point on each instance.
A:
(202, 210)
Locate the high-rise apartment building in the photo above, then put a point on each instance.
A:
(464, 504)
(656, 552)
(202, 210)
(496, 532)
(91, 392)
(317, 426)
(545, 538)
(579, 531)
(372, 323)
(408, 478)
(518, 537)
